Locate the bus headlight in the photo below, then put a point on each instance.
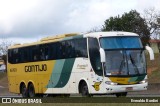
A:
(144, 81)
(110, 83)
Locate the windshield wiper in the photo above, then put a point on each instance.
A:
(134, 64)
(123, 63)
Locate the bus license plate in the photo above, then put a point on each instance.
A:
(129, 88)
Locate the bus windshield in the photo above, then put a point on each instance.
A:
(124, 56)
(125, 62)
(121, 42)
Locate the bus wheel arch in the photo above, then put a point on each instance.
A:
(31, 90)
(83, 88)
(23, 89)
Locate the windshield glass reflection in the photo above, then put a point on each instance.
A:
(125, 62)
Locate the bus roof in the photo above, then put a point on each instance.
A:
(109, 34)
(74, 35)
(46, 40)
(58, 37)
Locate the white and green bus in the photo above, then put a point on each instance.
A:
(89, 64)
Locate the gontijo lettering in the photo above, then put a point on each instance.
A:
(35, 68)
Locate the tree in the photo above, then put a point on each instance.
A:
(4, 49)
(130, 22)
(152, 18)
(94, 29)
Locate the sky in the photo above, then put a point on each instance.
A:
(24, 21)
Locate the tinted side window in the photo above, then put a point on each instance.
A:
(68, 49)
(51, 51)
(25, 55)
(95, 55)
(34, 50)
(80, 47)
(13, 56)
(42, 52)
(10, 56)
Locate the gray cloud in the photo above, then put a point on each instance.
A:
(47, 18)
(50, 17)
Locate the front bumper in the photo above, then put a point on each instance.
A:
(125, 88)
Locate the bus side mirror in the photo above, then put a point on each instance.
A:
(102, 55)
(149, 49)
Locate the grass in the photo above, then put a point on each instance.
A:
(2, 75)
(154, 76)
(153, 63)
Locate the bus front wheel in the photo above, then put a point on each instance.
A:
(31, 90)
(84, 89)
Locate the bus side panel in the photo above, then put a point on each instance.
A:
(60, 76)
(42, 78)
(81, 71)
(42, 83)
(23, 73)
(68, 81)
(12, 83)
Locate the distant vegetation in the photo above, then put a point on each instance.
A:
(154, 76)
(2, 75)
(146, 24)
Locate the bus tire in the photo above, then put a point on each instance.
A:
(84, 89)
(122, 94)
(31, 90)
(23, 90)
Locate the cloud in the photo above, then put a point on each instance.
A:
(39, 18)
(23, 20)
(88, 15)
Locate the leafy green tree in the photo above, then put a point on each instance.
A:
(130, 22)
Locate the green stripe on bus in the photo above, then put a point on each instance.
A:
(133, 79)
(55, 76)
(61, 73)
(66, 72)
(137, 79)
(140, 78)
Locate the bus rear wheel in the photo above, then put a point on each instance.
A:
(122, 94)
(31, 90)
(24, 90)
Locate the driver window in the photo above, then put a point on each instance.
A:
(95, 55)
